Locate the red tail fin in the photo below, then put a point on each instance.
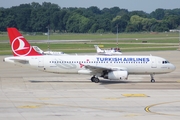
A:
(19, 45)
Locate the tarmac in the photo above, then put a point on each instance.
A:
(28, 94)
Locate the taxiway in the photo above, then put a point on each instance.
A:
(27, 94)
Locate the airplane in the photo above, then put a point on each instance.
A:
(107, 67)
(48, 52)
(113, 51)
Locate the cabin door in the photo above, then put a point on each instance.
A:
(153, 64)
(40, 62)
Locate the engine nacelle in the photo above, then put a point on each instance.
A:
(118, 75)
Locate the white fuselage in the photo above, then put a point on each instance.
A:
(75, 64)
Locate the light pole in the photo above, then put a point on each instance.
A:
(48, 37)
(179, 39)
(117, 37)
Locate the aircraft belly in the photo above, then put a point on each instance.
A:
(56, 69)
(63, 72)
(147, 71)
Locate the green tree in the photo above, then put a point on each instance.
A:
(9, 19)
(148, 24)
(23, 13)
(120, 23)
(158, 14)
(94, 28)
(139, 13)
(173, 21)
(2, 19)
(136, 22)
(36, 17)
(161, 26)
(77, 23)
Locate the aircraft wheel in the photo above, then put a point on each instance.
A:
(152, 80)
(96, 80)
(92, 79)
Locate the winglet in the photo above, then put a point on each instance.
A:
(19, 45)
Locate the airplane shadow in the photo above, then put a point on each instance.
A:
(104, 82)
(58, 81)
(101, 82)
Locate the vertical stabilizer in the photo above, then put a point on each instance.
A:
(19, 45)
(98, 49)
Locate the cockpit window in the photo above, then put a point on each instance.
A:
(165, 62)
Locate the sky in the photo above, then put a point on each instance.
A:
(131, 5)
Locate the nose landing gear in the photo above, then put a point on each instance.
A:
(152, 78)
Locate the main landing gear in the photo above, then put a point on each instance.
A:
(152, 78)
(95, 79)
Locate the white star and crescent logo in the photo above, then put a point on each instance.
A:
(20, 47)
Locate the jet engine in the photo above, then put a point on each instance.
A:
(117, 75)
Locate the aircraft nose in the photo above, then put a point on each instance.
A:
(172, 67)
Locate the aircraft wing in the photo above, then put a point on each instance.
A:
(99, 69)
(96, 69)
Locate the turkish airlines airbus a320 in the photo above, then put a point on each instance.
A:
(108, 67)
